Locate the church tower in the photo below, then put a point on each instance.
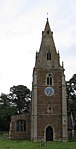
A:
(49, 103)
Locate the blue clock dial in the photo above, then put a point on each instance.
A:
(49, 91)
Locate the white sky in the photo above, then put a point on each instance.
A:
(21, 25)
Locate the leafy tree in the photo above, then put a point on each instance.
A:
(71, 95)
(20, 97)
(4, 101)
(17, 101)
(6, 111)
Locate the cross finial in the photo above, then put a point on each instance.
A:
(47, 16)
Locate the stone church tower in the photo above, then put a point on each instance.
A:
(47, 118)
(49, 104)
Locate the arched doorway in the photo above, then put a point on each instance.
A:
(49, 133)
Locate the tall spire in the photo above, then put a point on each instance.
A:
(47, 46)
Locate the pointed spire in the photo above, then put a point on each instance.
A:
(47, 46)
(47, 30)
(47, 26)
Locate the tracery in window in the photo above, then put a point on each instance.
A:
(21, 125)
(48, 56)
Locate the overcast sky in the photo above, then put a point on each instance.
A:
(21, 26)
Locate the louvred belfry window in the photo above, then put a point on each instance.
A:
(49, 79)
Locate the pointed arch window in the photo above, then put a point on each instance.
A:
(49, 79)
(48, 56)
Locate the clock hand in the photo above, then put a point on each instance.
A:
(48, 92)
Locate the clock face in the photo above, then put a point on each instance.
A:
(49, 91)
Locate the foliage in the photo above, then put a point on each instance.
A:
(6, 111)
(20, 97)
(16, 102)
(71, 95)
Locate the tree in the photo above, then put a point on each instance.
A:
(20, 97)
(71, 95)
(6, 111)
(16, 102)
(4, 101)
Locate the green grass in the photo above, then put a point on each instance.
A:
(5, 143)
(10, 144)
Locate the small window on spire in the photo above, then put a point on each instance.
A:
(48, 32)
(48, 56)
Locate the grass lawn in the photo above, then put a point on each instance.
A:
(5, 143)
(9, 144)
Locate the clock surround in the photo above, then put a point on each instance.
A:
(49, 91)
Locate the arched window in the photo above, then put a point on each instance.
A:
(48, 56)
(21, 125)
(49, 79)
